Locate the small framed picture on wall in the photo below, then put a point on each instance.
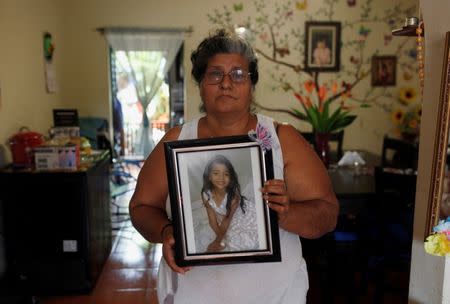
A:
(322, 46)
(384, 71)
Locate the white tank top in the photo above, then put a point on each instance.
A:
(282, 282)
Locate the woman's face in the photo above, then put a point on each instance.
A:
(226, 96)
(219, 176)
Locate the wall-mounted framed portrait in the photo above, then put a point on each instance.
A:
(384, 71)
(218, 212)
(322, 46)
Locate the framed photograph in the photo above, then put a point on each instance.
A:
(218, 212)
(384, 71)
(322, 46)
(438, 198)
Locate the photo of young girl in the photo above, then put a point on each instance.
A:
(224, 219)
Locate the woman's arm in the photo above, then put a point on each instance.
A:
(147, 205)
(305, 201)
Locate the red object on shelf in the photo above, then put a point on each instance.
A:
(22, 144)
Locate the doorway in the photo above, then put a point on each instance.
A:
(144, 100)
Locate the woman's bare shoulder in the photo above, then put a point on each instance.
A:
(293, 145)
(287, 132)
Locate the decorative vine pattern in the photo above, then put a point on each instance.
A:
(277, 37)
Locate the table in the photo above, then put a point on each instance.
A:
(338, 254)
(354, 185)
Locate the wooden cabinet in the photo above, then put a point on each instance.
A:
(57, 228)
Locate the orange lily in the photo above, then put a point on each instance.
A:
(322, 93)
(300, 98)
(309, 86)
(308, 102)
(334, 87)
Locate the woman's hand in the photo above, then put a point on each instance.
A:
(275, 193)
(169, 253)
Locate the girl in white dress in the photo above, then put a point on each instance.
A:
(231, 218)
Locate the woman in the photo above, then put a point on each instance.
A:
(224, 219)
(225, 68)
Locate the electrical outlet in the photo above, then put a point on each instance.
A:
(70, 246)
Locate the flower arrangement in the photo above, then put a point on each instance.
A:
(439, 242)
(316, 110)
(407, 118)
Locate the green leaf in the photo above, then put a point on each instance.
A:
(314, 119)
(299, 114)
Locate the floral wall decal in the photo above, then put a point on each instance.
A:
(277, 32)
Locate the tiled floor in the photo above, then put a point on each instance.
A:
(129, 274)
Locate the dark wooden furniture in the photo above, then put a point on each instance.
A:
(392, 244)
(308, 136)
(338, 260)
(398, 153)
(57, 228)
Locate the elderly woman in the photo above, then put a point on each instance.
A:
(225, 68)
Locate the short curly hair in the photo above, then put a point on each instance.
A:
(222, 42)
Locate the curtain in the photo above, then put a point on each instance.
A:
(161, 47)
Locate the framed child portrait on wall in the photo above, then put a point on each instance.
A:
(218, 212)
(322, 46)
(383, 71)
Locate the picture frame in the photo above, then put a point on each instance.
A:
(384, 70)
(195, 171)
(438, 197)
(322, 46)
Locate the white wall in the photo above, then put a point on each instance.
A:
(23, 97)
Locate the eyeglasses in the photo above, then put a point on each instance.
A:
(216, 76)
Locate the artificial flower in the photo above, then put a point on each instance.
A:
(407, 95)
(418, 110)
(334, 88)
(397, 116)
(410, 123)
(309, 86)
(316, 107)
(407, 121)
(261, 136)
(439, 242)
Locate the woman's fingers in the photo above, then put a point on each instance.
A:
(275, 193)
(274, 186)
(169, 255)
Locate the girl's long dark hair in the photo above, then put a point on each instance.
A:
(233, 187)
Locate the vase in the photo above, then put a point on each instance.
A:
(322, 146)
